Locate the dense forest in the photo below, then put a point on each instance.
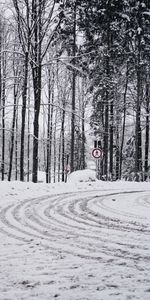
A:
(65, 65)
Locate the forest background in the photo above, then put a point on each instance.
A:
(67, 64)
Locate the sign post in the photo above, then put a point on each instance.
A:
(97, 154)
(67, 168)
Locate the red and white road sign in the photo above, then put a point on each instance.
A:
(67, 168)
(97, 153)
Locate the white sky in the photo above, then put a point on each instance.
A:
(83, 240)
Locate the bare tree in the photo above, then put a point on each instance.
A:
(73, 92)
(16, 86)
(3, 92)
(24, 32)
(37, 25)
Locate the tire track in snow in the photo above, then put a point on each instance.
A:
(81, 227)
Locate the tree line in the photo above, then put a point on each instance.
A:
(57, 59)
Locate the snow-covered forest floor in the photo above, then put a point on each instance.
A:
(85, 240)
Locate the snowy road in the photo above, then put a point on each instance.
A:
(92, 245)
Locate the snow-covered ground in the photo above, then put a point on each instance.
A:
(83, 240)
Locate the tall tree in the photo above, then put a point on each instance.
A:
(24, 32)
(138, 12)
(70, 45)
(101, 22)
(16, 89)
(37, 25)
(0, 61)
(147, 108)
(3, 91)
(72, 145)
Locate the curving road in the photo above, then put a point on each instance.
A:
(76, 246)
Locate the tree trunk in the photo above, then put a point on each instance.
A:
(51, 132)
(106, 139)
(111, 134)
(59, 158)
(117, 152)
(147, 130)
(16, 148)
(55, 150)
(12, 133)
(24, 103)
(48, 130)
(73, 95)
(83, 129)
(0, 73)
(35, 137)
(63, 142)
(37, 78)
(124, 118)
(0, 63)
(107, 96)
(3, 113)
(138, 138)
(28, 147)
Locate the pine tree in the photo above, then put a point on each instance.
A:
(138, 37)
(101, 22)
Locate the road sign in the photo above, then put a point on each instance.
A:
(97, 153)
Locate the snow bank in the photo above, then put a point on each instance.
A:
(82, 176)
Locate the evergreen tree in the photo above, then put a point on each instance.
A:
(139, 46)
(101, 22)
(116, 35)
